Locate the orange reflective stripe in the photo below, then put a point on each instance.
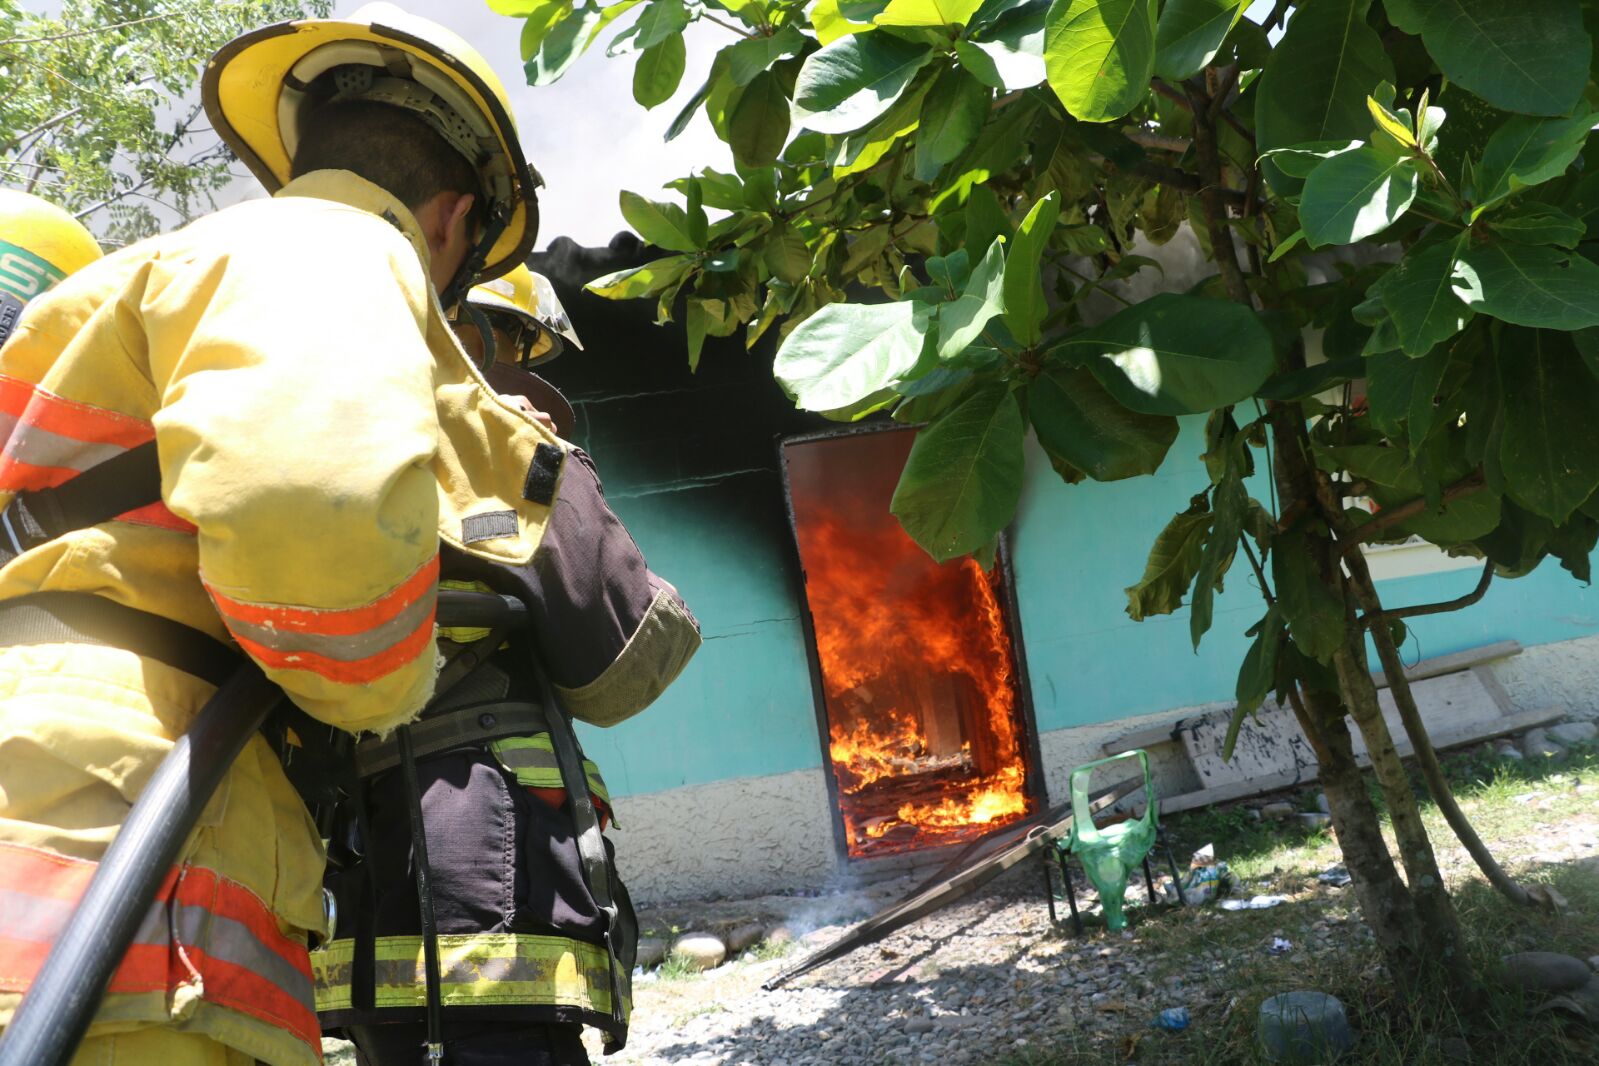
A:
(228, 937)
(46, 440)
(33, 405)
(336, 621)
(158, 515)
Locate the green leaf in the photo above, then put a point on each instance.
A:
(1315, 614)
(1550, 448)
(1173, 562)
(1189, 34)
(1307, 382)
(1420, 298)
(651, 279)
(1535, 223)
(1301, 159)
(1400, 392)
(1174, 354)
(1529, 56)
(1527, 151)
(1356, 195)
(1100, 55)
(562, 45)
(718, 75)
(961, 322)
(1011, 54)
(845, 352)
(539, 21)
(1314, 85)
(1256, 676)
(697, 323)
(1530, 285)
(609, 14)
(852, 81)
(952, 113)
(963, 478)
(1025, 303)
(1230, 505)
(830, 22)
(1076, 419)
(786, 255)
(661, 224)
(659, 69)
(661, 19)
(758, 127)
(927, 12)
(750, 57)
(522, 8)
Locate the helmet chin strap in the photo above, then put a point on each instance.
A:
(466, 276)
(484, 330)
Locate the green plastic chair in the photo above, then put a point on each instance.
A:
(1108, 855)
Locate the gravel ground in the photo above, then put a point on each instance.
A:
(986, 977)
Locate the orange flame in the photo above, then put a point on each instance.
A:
(918, 682)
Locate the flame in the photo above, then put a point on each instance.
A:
(918, 681)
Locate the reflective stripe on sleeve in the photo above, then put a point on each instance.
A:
(354, 645)
(49, 440)
(477, 969)
(240, 958)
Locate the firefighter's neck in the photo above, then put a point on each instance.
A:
(448, 232)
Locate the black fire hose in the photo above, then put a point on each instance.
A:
(53, 1016)
(55, 1013)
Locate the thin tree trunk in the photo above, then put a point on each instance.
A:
(1426, 756)
(1385, 904)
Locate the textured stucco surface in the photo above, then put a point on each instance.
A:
(729, 838)
(774, 833)
(1565, 674)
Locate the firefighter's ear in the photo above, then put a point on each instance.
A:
(445, 218)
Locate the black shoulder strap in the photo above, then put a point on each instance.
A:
(120, 484)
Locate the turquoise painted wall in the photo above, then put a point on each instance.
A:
(744, 706)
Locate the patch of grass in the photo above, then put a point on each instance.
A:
(765, 950)
(676, 968)
(1518, 806)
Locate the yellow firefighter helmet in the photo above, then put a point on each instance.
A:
(256, 92)
(39, 244)
(531, 299)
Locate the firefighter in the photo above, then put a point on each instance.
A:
(316, 439)
(39, 245)
(509, 883)
(528, 327)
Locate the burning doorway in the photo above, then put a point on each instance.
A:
(920, 694)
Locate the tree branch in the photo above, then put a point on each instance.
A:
(707, 16)
(1160, 141)
(1260, 575)
(1391, 614)
(1393, 516)
(1212, 205)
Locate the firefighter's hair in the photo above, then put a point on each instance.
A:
(388, 146)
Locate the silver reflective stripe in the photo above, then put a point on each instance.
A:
(40, 919)
(40, 447)
(345, 648)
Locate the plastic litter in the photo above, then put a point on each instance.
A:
(1280, 946)
(1207, 879)
(1302, 1028)
(1337, 877)
(1258, 903)
(1172, 1019)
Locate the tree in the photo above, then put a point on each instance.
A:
(987, 167)
(99, 113)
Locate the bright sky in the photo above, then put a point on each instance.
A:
(585, 133)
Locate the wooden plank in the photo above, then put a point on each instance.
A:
(1143, 738)
(1454, 662)
(1496, 689)
(1470, 733)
